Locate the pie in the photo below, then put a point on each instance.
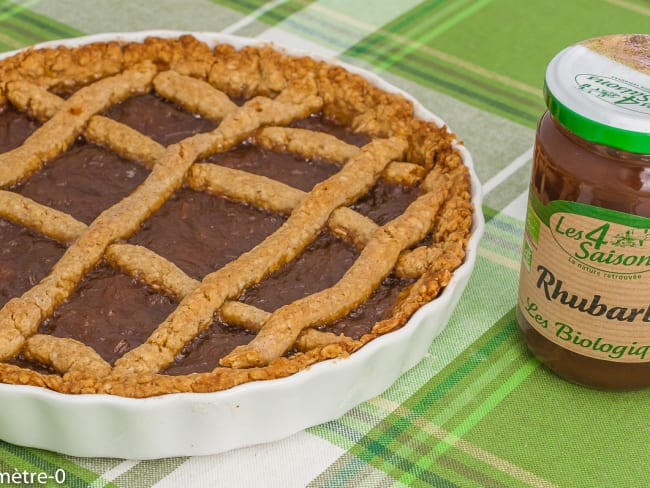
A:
(176, 217)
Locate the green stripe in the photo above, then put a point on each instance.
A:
(490, 213)
(514, 256)
(425, 33)
(472, 80)
(283, 11)
(497, 244)
(341, 431)
(4, 46)
(474, 89)
(81, 475)
(243, 6)
(473, 357)
(469, 88)
(478, 383)
(9, 9)
(454, 27)
(478, 475)
(419, 26)
(497, 232)
(491, 402)
(146, 474)
(22, 27)
(34, 25)
(37, 461)
(321, 30)
(384, 447)
(387, 445)
(508, 190)
(273, 16)
(411, 21)
(350, 425)
(504, 224)
(463, 405)
(382, 42)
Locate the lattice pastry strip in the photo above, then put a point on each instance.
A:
(65, 355)
(442, 211)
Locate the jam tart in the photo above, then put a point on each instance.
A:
(181, 218)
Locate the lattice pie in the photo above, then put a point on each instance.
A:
(178, 218)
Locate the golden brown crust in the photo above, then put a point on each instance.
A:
(278, 88)
(62, 69)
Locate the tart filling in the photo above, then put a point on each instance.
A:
(192, 219)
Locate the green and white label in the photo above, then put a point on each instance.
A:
(585, 279)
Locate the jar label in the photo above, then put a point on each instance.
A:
(585, 279)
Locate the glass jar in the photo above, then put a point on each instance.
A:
(584, 295)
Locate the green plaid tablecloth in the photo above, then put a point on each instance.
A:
(478, 410)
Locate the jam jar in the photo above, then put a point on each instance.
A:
(584, 292)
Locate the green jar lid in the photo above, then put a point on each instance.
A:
(599, 89)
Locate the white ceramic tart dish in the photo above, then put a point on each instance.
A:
(283, 392)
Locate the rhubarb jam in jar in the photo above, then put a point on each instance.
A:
(584, 293)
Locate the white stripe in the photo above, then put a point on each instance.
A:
(506, 172)
(264, 465)
(467, 447)
(337, 25)
(252, 17)
(284, 38)
(18, 8)
(517, 207)
(113, 473)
